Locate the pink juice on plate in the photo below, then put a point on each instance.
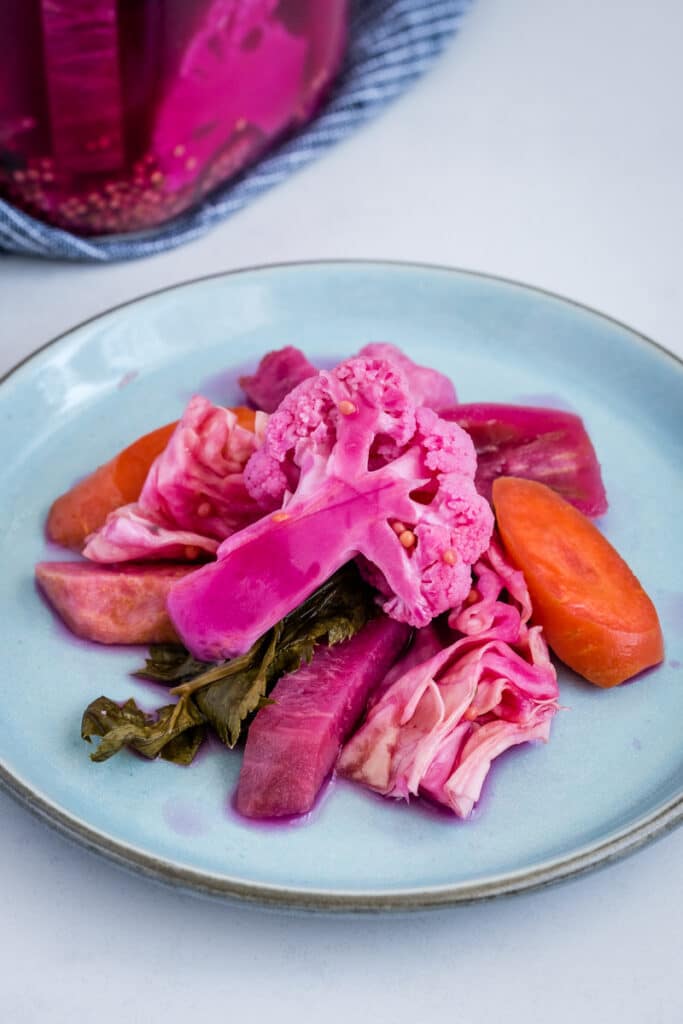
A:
(117, 115)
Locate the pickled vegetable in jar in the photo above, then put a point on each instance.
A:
(118, 115)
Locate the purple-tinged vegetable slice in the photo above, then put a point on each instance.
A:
(82, 74)
(294, 742)
(112, 604)
(276, 375)
(546, 445)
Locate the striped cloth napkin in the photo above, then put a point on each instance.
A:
(392, 42)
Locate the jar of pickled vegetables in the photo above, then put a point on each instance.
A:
(117, 115)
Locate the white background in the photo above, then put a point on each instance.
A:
(546, 146)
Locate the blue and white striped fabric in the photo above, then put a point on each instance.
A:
(392, 43)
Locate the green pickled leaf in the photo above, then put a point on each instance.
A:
(170, 663)
(174, 732)
(183, 748)
(229, 701)
(224, 695)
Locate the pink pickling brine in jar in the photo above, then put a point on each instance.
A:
(117, 115)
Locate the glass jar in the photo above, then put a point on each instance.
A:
(117, 115)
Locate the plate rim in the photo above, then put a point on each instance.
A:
(591, 856)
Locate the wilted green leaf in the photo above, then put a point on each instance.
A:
(175, 731)
(170, 663)
(225, 694)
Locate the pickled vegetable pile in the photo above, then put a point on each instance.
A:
(352, 573)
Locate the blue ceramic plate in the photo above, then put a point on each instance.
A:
(612, 775)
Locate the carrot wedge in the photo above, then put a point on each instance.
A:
(84, 508)
(596, 616)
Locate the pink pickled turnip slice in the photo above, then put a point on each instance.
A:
(83, 81)
(241, 53)
(547, 445)
(112, 604)
(276, 375)
(293, 743)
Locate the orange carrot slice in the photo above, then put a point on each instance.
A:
(245, 417)
(596, 615)
(84, 508)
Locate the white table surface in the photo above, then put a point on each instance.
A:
(545, 146)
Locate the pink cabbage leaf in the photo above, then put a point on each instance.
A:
(194, 496)
(439, 726)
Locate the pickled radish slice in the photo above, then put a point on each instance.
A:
(81, 46)
(547, 445)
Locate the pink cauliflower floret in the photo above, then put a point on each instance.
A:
(310, 437)
(451, 531)
(280, 371)
(427, 386)
(350, 467)
(194, 495)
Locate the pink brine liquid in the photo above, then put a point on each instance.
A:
(117, 115)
